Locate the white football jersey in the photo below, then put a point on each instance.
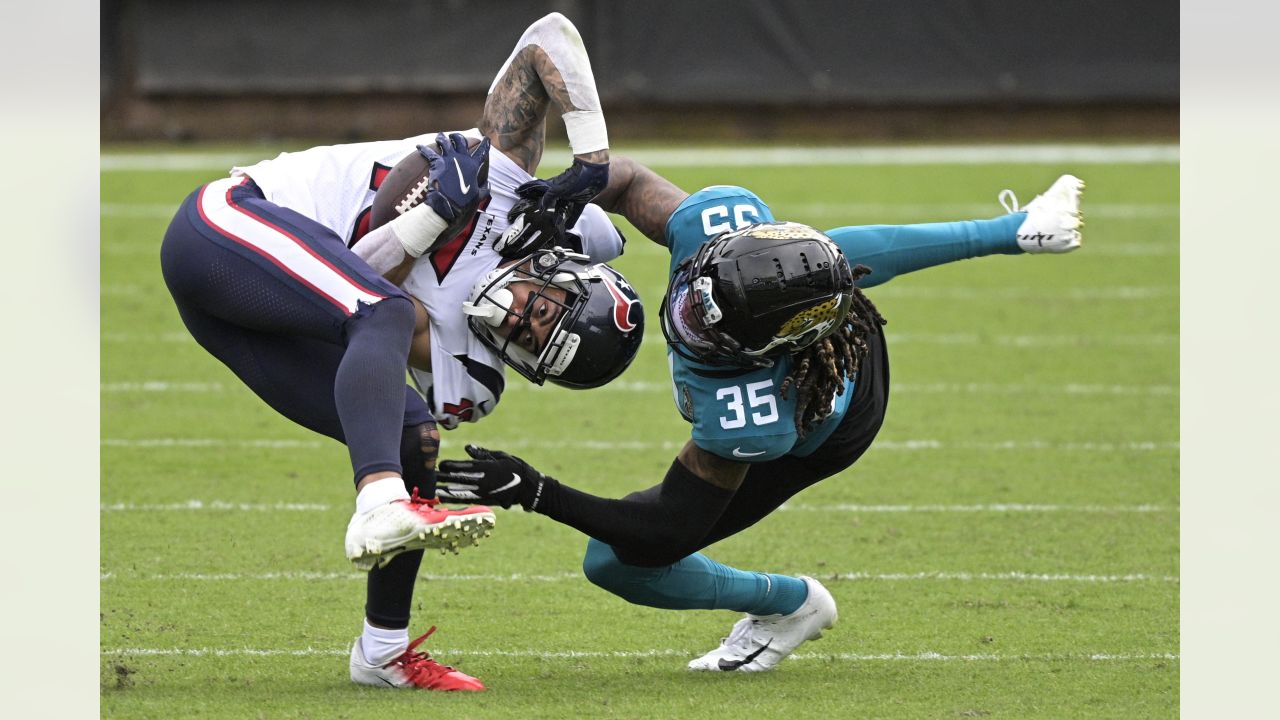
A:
(335, 185)
(332, 184)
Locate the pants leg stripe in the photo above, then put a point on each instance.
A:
(281, 248)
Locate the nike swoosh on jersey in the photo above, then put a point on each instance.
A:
(515, 480)
(727, 664)
(461, 182)
(737, 452)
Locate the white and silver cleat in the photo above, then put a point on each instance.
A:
(759, 642)
(377, 536)
(1053, 219)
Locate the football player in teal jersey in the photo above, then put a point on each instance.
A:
(779, 364)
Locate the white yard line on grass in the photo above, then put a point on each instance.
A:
(1033, 341)
(1096, 294)
(135, 337)
(852, 576)
(916, 211)
(991, 508)
(1016, 341)
(1122, 293)
(214, 506)
(153, 211)
(664, 388)
(654, 653)
(1094, 211)
(162, 386)
(642, 446)
(1022, 154)
(1006, 508)
(207, 443)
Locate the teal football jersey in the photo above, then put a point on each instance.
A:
(736, 413)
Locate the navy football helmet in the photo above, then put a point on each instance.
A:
(750, 295)
(598, 331)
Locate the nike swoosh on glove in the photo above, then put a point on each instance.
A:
(457, 181)
(491, 477)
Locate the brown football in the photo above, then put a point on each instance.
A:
(403, 187)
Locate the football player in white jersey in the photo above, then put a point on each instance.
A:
(276, 271)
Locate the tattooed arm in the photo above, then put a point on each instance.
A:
(642, 196)
(549, 66)
(515, 112)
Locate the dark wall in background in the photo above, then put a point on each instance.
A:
(179, 68)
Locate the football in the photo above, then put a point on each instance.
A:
(403, 187)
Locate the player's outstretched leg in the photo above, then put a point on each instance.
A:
(1049, 224)
(409, 669)
(782, 611)
(759, 642)
(1053, 219)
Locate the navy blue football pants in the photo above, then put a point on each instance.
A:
(313, 331)
(306, 324)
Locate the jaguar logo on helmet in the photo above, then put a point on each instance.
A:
(820, 320)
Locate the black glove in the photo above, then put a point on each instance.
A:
(570, 191)
(493, 478)
(458, 180)
(532, 228)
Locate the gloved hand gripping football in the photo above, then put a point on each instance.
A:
(458, 180)
(492, 477)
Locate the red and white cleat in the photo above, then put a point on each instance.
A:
(412, 669)
(377, 536)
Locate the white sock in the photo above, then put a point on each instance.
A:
(380, 492)
(381, 645)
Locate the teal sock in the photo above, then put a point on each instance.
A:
(695, 582)
(786, 596)
(892, 250)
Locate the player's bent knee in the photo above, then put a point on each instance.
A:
(604, 570)
(393, 315)
(596, 562)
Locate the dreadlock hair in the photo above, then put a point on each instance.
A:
(818, 372)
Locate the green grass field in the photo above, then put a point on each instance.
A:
(1008, 548)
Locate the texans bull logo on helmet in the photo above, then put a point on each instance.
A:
(625, 300)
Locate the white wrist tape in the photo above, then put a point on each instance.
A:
(381, 248)
(586, 130)
(418, 229)
(560, 40)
